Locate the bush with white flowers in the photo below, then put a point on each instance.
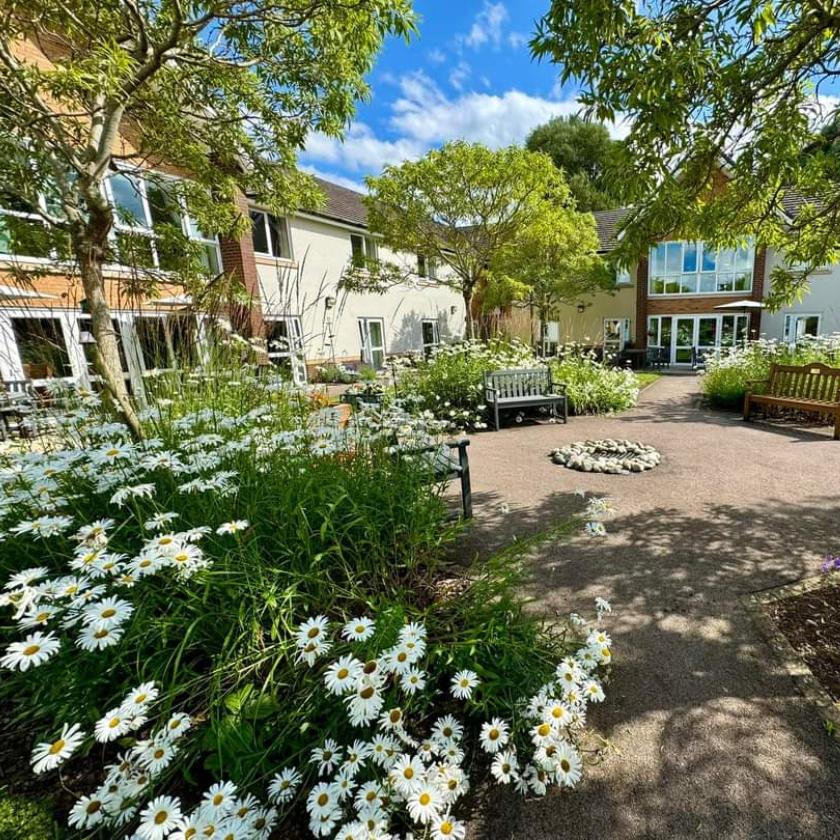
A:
(155, 592)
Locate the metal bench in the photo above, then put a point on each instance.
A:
(812, 388)
(448, 464)
(523, 388)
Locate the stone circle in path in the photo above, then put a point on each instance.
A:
(618, 457)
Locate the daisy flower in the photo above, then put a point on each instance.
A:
(220, 797)
(593, 691)
(33, 651)
(26, 577)
(424, 804)
(322, 800)
(159, 818)
(108, 613)
(542, 734)
(407, 774)
(358, 629)
(364, 705)
(448, 828)
(38, 615)
(413, 632)
(399, 660)
(159, 520)
(92, 637)
(504, 767)
(88, 812)
(447, 728)
(343, 675)
(567, 764)
(283, 786)
(327, 757)
(139, 699)
(176, 726)
(368, 796)
(463, 684)
(114, 725)
(602, 606)
(47, 756)
(155, 755)
(413, 680)
(494, 735)
(233, 527)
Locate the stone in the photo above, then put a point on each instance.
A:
(614, 457)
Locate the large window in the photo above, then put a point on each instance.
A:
(430, 334)
(167, 341)
(682, 336)
(427, 267)
(148, 211)
(372, 337)
(691, 268)
(799, 325)
(88, 343)
(363, 249)
(284, 340)
(616, 335)
(42, 348)
(270, 235)
(24, 232)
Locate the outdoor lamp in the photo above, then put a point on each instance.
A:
(329, 302)
(580, 308)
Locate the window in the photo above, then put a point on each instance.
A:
(681, 335)
(271, 235)
(430, 335)
(167, 341)
(616, 334)
(363, 249)
(42, 348)
(372, 337)
(622, 277)
(427, 267)
(24, 232)
(148, 210)
(88, 343)
(284, 341)
(688, 268)
(799, 325)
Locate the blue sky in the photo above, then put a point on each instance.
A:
(468, 74)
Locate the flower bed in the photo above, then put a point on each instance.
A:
(592, 386)
(238, 622)
(729, 372)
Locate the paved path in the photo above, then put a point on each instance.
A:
(712, 738)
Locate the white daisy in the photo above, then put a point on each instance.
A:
(48, 755)
(220, 797)
(447, 728)
(358, 629)
(322, 800)
(283, 786)
(33, 651)
(92, 637)
(233, 527)
(463, 684)
(327, 757)
(413, 680)
(567, 764)
(160, 817)
(138, 700)
(88, 812)
(494, 735)
(448, 828)
(406, 774)
(107, 613)
(593, 691)
(114, 725)
(342, 675)
(504, 767)
(176, 726)
(424, 804)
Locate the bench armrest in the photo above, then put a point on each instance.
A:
(460, 443)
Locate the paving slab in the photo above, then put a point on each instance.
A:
(711, 737)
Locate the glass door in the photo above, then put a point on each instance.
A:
(733, 329)
(372, 336)
(683, 340)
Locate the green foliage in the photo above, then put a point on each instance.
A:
(703, 84)
(587, 155)
(592, 386)
(554, 260)
(729, 374)
(459, 205)
(23, 819)
(450, 383)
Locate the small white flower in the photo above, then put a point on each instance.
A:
(494, 735)
(358, 629)
(48, 755)
(33, 651)
(283, 786)
(233, 527)
(159, 818)
(463, 684)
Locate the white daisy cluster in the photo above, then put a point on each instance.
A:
(598, 508)
(389, 776)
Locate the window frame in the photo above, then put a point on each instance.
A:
(624, 330)
(364, 336)
(691, 282)
(790, 320)
(426, 347)
(267, 231)
(295, 352)
(369, 250)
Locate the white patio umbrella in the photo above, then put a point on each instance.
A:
(742, 305)
(13, 292)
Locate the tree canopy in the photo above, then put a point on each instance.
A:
(735, 82)
(586, 153)
(224, 90)
(460, 205)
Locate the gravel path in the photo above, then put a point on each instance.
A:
(711, 738)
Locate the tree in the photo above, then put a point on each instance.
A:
(224, 90)
(459, 205)
(587, 155)
(554, 260)
(704, 83)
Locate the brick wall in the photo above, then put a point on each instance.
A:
(641, 303)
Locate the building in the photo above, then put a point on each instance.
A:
(670, 300)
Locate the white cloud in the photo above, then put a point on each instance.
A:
(487, 26)
(357, 186)
(423, 117)
(517, 39)
(436, 56)
(459, 75)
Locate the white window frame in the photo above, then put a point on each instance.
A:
(189, 227)
(364, 337)
(623, 277)
(370, 248)
(792, 318)
(654, 323)
(427, 348)
(280, 219)
(624, 333)
(694, 279)
(295, 351)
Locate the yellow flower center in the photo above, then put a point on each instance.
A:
(544, 730)
(424, 799)
(145, 563)
(445, 828)
(323, 799)
(218, 799)
(313, 633)
(343, 673)
(57, 747)
(159, 754)
(189, 833)
(370, 796)
(31, 650)
(494, 734)
(101, 634)
(402, 656)
(395, 716)
(565, 765)
(408, 773)
(93, 806)
(367, 692)
(114, 723)
(161, 817)
(360, 628)
(109, 613)
(370, 667)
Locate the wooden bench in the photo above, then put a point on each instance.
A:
(812, 388)
(523, 388)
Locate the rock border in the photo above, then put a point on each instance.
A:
(608, 455)
(787, 655)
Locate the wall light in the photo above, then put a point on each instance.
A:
(329, 302)
(453, 309)
(580, 308)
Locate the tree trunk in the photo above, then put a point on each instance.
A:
(91, 252)
(469, 330)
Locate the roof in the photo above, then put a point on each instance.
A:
(608, 222)
(341, 204)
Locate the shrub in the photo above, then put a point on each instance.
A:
(22, 819)
(729, 371)
(180, 595)
(592, 386)
(450, 383)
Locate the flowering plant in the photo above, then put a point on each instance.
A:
(592, 386)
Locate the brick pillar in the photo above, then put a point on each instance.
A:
(641, 302)
(238, 260)
(759, 270)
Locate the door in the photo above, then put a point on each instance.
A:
(683, 340)
(429, 330)
(372, 337)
